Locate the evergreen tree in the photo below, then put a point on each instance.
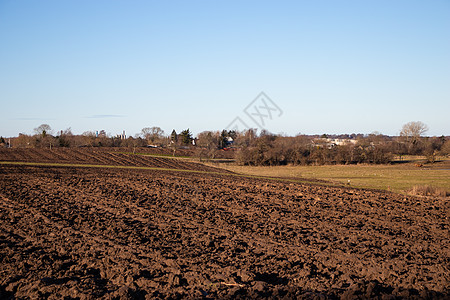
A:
(186, 136)
(174, 136)
(223, 139)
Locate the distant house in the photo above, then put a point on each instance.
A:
(330, 143)
(342, 142)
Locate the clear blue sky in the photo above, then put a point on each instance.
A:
(330, 66)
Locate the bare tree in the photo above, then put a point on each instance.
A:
(152, 134)
(445, 150)
(246, 138)
(208, 139)
(65, 138)
(24, 141)
(43, 130)
(67, 132)
(207, 142)
(88, 138)
(413, 130)
(411, 133)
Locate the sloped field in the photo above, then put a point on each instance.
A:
(98, 156)
(92, 232)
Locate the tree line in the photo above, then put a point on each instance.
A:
(250, 148)
(270, 150)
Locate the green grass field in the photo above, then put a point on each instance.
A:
(398, 177)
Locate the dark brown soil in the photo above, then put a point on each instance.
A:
(114, 233)
(99, 156)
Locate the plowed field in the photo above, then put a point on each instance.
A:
(98, 157)
(117, 233)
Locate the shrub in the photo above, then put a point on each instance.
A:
(427, 190)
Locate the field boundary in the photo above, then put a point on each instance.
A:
(309, 181)
(68, 165)
(153, 155)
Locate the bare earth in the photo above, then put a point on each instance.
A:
(116, 233)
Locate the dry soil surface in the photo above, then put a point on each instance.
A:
(114, 233)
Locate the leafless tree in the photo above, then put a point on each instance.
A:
(411, 133)
(24, 141)
(445, 150)
(67, 132)
(208, 139)
(207, 142)
(88, 138)
(152, 134)
(413, 130)
(43, 130)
